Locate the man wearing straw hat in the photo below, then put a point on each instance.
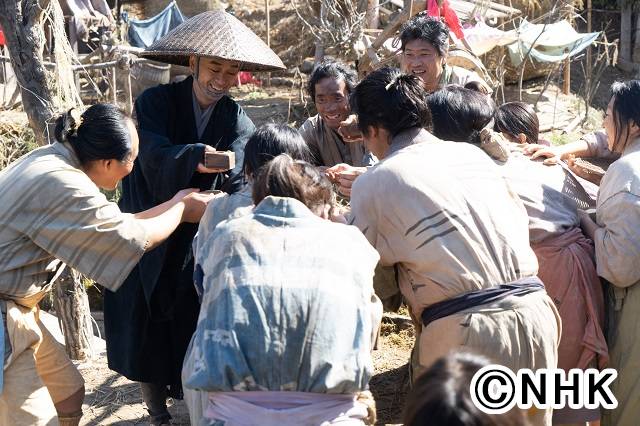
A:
(150, 320)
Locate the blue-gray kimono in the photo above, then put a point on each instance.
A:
(288, 305)
(150, 320)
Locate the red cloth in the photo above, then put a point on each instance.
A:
(568, 271)
(449, 15)
(245, 77)
(1, 38)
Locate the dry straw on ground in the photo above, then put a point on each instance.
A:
(16, 139)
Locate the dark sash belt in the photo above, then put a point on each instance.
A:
(484, 296)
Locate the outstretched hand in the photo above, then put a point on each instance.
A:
(550, 154)
(343, 175)
(195, 203)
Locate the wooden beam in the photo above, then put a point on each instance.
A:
(625, 32)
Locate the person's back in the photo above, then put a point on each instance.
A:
(549, 194)
(454, 191)
(276, 281)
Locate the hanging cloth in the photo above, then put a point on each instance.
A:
(450, 17)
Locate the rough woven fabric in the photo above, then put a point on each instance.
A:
(328, 147)
(267, 322)
(287, 408)
(568, 269)
(460, 76)
(443, 213)
(50, 210)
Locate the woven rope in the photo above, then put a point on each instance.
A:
(214, 34)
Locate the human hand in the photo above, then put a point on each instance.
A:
(183, 193)
(333, 171)
(349, 130)
(550, 154)
(343, 175)
(338, 214)
(201, 167)
(585, 170)
(195, 203)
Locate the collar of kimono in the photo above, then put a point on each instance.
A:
(409, 137)
(282, 207)
(65, 150)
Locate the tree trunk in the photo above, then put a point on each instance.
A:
(22, 24)
(72, 307)
(372, 17)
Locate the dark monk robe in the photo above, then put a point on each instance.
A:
(150, 320)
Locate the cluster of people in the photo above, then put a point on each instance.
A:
(257, 296)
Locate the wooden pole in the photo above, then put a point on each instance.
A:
(625, 32)
(589, 29)
(113, 85)
(566, 80)
(319, 53)
(268, 15)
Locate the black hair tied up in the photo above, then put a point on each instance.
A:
(392, 100)
(100, 133)
(69, 125)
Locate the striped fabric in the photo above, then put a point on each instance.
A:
(51, 212)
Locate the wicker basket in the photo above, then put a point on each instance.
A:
(148, 74)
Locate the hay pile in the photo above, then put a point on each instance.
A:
(16, 139)
(290, 39)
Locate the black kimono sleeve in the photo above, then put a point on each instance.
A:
(165, 175)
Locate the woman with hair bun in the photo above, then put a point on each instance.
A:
(52, 213)
(269, 348)
(465, 267)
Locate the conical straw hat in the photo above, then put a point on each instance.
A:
(214, 34)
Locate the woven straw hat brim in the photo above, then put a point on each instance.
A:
(214, 34)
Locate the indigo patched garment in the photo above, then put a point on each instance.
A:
(288, 305)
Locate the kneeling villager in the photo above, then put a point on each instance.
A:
(566, 261)
(51, 213)
(443, 214)
(267, 142)
(150, 320)
(289, 313)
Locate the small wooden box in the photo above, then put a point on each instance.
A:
(220, 160)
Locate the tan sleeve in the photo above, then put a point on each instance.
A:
(599, 146)
(309, 134)
(617, 243)
(87, 232)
